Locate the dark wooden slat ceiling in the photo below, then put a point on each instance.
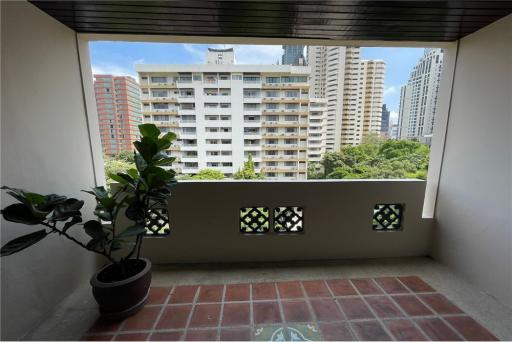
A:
(433, 21)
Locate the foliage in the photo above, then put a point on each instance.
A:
(376, 159)
(116, 164)
(248, 171)
(144, 187)
(205, 174)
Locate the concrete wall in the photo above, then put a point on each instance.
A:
(473, 233)
(45, 148)
(337, 221)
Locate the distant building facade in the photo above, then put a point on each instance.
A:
(222, 113)
(293, 55)
(419, 98)
(384, 126)
(220, 56)
(119, 112)
(353, 89)
(317, 129)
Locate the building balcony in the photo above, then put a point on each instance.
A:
(337, 270)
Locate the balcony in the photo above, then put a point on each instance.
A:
(444, 274)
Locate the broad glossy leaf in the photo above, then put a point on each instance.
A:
(149, 130)
(147, 148)
(163, 144)
(69, 224)
(169, 136)
(132, 231)
(133, 173)
(134, 212)
(94, 229)
(103, 214)
(22, 242)
(69, 208)
(140, 163)
(118, 178)
(165, 161)
(99, 192)
(20, 213)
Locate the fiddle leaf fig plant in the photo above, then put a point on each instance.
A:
(141, 190)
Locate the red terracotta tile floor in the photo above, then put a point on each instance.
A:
(385, 308)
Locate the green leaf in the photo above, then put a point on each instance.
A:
(156, 176)
(165, 161)
(132, 230)
(133, 173)
(20, 213)
(96, 244)
(103, 214)
(99, 192)
(22, 242)
(149, 130)
(169, 136)
(140, 163)
(94, 229)
(163, 144)
(117, 244)
(69, 224)
(147, 148)
(69, 208)
(118, 178)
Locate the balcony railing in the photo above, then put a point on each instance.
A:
(339, 225)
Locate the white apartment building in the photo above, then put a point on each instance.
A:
(371, 81)
(317, 129)
(419, 97)
(353, 89)
(224, 112)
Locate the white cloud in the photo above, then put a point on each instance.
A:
(195, 51)
(112, 69)
(390, 90)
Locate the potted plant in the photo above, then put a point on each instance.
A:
(121, 287)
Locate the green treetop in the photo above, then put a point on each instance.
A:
(248, 171)
(205, 174)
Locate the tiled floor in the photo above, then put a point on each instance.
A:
(385, 308)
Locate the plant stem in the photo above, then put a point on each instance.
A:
(60, 232)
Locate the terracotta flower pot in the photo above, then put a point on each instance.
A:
(122, 298)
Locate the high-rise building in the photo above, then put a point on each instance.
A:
(384, 126)
(119, 112)
(293, 55)
(220, 56)
(419, 97)
(353, 90)
(223, 113)
(317, 129)
(371, 91)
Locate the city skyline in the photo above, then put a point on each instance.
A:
(119, 58)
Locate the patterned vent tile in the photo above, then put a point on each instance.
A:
(254, 220)
(288, 219)
(387, 216)
(157, 223)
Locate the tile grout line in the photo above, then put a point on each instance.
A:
(221, 313)
(192, 310)
(284, 324)
(344, 315)
(377, 317)
(405, 315)
(159, 316)
(436, 315)
(310, 306)
(251, 313)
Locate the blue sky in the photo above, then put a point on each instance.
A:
(119, 57)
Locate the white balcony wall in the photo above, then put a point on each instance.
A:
(39, 70)
(339, 226)
(474, 206)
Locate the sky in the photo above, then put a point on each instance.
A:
(118, 58)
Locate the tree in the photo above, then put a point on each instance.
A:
(248, 171)
(376, 158)
(116, 164)
(205, 174)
